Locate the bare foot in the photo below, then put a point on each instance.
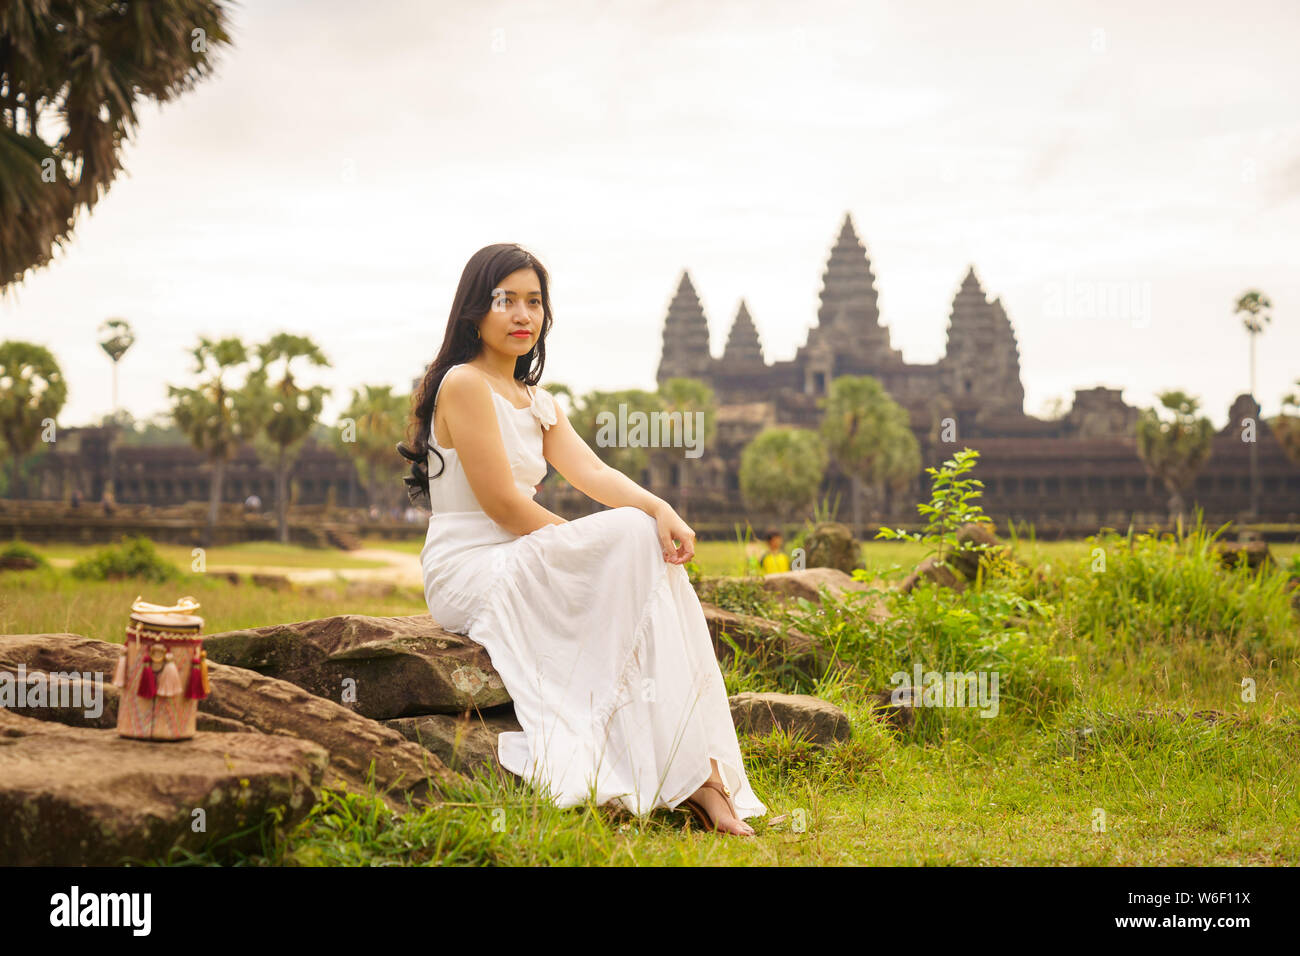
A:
(719, 809)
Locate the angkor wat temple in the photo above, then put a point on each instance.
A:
(1074, 473)
(1079, 471)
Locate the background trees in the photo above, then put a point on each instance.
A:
(687, 396)
(870, 437)
(781, 471)
(1174, 442)
(215, 417)
(368, 429)
(285, 409)
(71, 74)
(32, 391)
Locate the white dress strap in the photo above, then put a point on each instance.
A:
(443, 382)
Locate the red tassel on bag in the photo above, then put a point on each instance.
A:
(198, 689)
(148, 688)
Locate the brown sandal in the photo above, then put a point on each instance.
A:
(702, 815)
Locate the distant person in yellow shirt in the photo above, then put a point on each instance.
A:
(775, 561)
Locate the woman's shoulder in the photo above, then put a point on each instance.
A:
(470, 379)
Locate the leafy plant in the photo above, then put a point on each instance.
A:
(134, 557)
(17, 548)
(953, 503)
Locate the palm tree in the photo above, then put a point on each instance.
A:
(71, 73)
(1286, 426)
(32, 393)
(1253, 308)
(596, 417)
(378, 418)
(1174, 446)
(119, 339)
(291, 410)
(686, 397)
(781, 471)
(870, 437)
(214, 417)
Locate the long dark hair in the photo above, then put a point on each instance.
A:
(484, 272)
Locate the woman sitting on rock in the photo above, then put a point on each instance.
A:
(592, 624)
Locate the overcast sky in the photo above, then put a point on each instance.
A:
(346, 160)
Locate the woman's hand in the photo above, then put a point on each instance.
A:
(673, 528)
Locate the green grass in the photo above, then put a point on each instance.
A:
(51, 602)
(401, 545)
(253, 555)
(1095, 666)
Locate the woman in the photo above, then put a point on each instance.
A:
(592, 624)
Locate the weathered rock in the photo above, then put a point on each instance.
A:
(805, 583)
(274, 582)
(932, 570)
(402, 666)
(765, 639)
(812, 718)
(243, 699)
(74, 796)
(966, 559)
(900, 716)
(465, 743)
(1254, 553)
(832, 545)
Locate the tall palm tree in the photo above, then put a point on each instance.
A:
(686, 397)
(1253, 308)
(869, 436)
(214, 416)
(119, 339)
(71, 75)
(32, 393)
(291, 409)
(378, 419)
(781, 471)
(1174, 445)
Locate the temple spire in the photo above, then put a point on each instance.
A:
(743, 345)
(686, 336)
(983, 358)
(848, 315)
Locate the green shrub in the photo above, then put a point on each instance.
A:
(17, 548)
(1167, 588)
(133, 557)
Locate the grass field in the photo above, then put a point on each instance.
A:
(1087, 762)
(249, 555)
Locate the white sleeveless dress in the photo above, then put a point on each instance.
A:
(600, 642)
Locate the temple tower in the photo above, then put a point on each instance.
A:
(744, 352)
(686, 337)
(983, 360)
(848, 318)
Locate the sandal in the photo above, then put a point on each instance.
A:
(702, 815)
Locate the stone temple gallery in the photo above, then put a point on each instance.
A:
(1072, 474)
(1079, 471)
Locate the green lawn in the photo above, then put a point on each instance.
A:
(1085, 763)
(252, 554)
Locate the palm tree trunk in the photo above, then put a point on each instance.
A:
(1254, 445)
(856, 486)
(16, 481)
(281, 498)
(214, 501)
